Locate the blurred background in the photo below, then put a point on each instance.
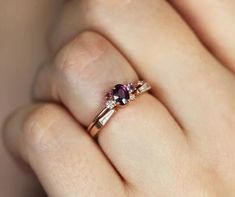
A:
(25, 27)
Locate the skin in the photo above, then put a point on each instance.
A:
(186, 125)
(24, 28)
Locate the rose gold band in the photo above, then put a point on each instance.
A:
(120, 95)
(100, 121)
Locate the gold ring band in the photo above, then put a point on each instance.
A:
(120, 95)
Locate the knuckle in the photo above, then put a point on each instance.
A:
(99, 10)
(40, 124)
(74, 58)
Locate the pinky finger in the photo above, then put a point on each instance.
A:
(65, 159)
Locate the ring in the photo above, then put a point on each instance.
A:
(119, 96)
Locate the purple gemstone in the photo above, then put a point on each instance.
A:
(131, 87)
(121, 94)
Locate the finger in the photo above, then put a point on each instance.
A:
(87, 68)
(213, 21)
(65, 159)
(80, 67)
(186, 78)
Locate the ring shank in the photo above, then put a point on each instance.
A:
(100, 121)
(105, 115)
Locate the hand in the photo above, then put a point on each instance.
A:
(177, 141)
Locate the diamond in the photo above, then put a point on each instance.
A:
(106, 117)
(144, 88)
(132, 97)
(111, 104)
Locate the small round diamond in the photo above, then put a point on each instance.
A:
(110, 104)
(132, 97)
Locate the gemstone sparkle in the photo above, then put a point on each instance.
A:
(121, 94)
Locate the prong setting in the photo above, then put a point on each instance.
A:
(122, 94)
(119, 96)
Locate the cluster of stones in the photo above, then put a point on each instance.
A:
(120, 95)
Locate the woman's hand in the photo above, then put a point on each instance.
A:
(177, 141)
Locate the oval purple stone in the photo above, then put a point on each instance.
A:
(121, 94)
